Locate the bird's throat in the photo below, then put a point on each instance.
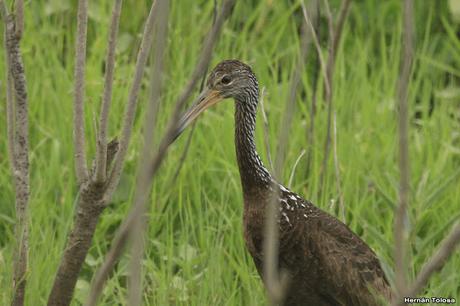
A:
(252, 171)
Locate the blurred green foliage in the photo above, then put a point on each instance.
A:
(195, 253)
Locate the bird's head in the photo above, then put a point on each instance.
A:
(229, 79)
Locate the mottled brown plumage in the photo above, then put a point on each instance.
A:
(328, 264)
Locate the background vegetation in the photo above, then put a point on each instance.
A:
(195, 253)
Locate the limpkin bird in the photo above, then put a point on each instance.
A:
(326, 262)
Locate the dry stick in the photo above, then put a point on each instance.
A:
(322, 67)
(338, 181)
(276, 284)
(101, 147)
(317, 45)
(125, 228)
(130, 111)
(10, 119)
(400, 252)
(333, 46)
(183, 155)
(315, 82)
(19, 12)
(143, 184)
(10, 123)
(20, 152)
(190, 135)
(330, 23)
(436, 262)
(266, 128)
(79, 122)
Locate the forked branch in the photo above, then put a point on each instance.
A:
(101, 148)
(153, 165)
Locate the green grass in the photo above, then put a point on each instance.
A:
(195, 252)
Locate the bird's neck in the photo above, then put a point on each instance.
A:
(254, 175)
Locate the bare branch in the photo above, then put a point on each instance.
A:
(19, 12)
(184, 154)
(336, 34)
(18, 141)
(3, 11)
(290, 105)
(276, 281)
(126, 227)
(79, 121)
(334, 40)
(143, 183)
(112, 256)
(101, 148)
(147, 39)
(400, 231)
(266, 128)
(315, 8)
(338, 181)
(190, 135)
(10, 123)
(90, 201)
(330, 22)
(437, 261)
(317, 45)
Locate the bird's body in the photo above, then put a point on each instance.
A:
(326, 262)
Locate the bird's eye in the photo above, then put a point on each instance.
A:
(226, 80)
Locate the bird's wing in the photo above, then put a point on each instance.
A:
(352, 267)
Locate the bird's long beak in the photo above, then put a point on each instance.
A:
(206, 99)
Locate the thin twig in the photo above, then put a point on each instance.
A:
(143, 183)
(338, 181)
(10, 123)
(79, 121)
(125, 228)
(3, 11)
(315, 8)
(266, 128)
(400, 232)
(19, 16)
(128, 119)
(436, 262)
(144, 50)
(276, 281)
(317, 45)
(190, 135)
(334, 40)
(184, 154)
(330, 22)
(101, 147)
(290, 105)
